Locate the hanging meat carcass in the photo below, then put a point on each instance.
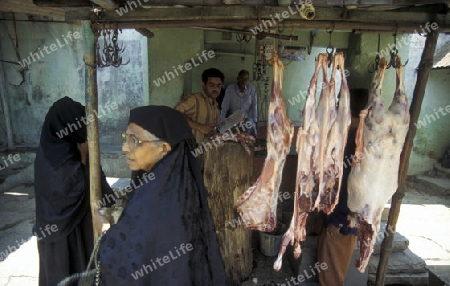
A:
(257, 205)
(335, 143)
(320, 146)
(374, 175)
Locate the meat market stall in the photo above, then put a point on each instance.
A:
(321, 136)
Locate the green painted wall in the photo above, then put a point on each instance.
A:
(433, 134)
(166, 50)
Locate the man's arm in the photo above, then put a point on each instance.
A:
(188, 108)
(203, 128)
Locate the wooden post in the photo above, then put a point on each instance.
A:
(423, 73)
(91, 99)
(5, 104)
(228, 173)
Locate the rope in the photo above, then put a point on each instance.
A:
(87, 277)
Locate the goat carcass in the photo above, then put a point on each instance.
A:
(374, 175)
(320, 146)
(257, 205)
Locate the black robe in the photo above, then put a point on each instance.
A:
(165, 235)
(63, 217)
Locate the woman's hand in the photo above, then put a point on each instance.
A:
(102, 219)
(84, 151)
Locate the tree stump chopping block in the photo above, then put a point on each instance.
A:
(228, 173)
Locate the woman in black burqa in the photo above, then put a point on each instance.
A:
(61, 182)
(165, 235)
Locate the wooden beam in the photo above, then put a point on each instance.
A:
(91, 99)
(316, 3)
(107, 4)
(145, 32)
(62, 3)
(28, 7)
(364, 27)
(423, 74)
(269, 14)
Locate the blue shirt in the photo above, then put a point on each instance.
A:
(246, 102)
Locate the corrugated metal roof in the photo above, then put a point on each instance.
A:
(442, 57)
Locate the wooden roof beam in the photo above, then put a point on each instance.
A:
(248, 15)
(107, 4)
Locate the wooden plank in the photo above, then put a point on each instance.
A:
(423, 74)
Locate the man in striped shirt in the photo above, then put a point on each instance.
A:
(201, 109)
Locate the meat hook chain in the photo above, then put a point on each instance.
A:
(394, 53)
(330, 48)
(374, 67)
(110, 54)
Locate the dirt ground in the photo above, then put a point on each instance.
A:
(424, 220)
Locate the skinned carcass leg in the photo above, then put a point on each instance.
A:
(303, 197)
(257, 206)
(374, 175)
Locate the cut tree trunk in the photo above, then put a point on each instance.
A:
(228, 173)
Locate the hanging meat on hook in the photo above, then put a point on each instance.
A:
(374, 175)
(257, 205)
(320, 146)
(335, 143)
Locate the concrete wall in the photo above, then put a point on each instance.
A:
(53, 74)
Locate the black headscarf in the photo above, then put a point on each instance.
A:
(163, 214)
(60, 181)
(62, 129)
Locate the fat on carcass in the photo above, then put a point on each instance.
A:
(373, 178)
(257, 205)
(320, 146)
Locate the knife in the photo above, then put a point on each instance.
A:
(231, 120)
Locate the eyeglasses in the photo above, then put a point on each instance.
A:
(133, 142)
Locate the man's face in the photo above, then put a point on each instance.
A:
(242, 80)
(212, 87)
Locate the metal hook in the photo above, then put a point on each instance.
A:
(330, 48)
(374, 67)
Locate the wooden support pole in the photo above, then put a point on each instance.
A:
(91, 99)
(423, 73)
(5, 104)
(228, 173)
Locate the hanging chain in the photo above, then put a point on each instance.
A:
(377, 58)
(330, 49)
(394, 54)
(110, 55)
